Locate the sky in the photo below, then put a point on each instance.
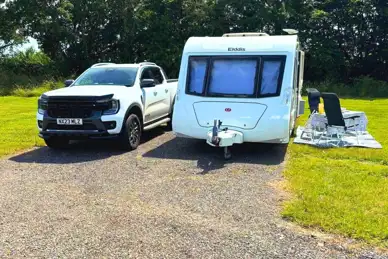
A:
(31, 43)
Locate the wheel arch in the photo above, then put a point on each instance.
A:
(134, 109)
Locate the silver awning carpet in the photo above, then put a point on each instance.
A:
(349, 139)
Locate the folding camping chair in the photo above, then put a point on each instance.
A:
(336, 125)
(313, 99)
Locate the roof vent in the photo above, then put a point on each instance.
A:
(245, 34)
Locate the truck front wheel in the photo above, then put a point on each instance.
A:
(131, 133)
(57, 142)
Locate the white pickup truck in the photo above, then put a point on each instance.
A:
(107, 101)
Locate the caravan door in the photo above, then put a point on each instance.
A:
(300, 109)
(297, 88)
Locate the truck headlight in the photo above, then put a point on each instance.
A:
(113, 107)
(42, 106)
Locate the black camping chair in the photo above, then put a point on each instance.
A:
(333, 110)
(313, 99)
(335, 121)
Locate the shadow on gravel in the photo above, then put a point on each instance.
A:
(210, 158)
(78, 152)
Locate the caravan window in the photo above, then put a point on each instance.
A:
(270, 77)
(197, 67)
(233, 76)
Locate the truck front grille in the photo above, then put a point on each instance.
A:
(73, 109)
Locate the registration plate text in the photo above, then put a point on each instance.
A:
(69, 121)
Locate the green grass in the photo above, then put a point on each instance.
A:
(18, 124)
(343, 190)
(31, 89)
(364, 87)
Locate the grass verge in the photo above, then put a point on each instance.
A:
(18, 124)
(343, 190)
(31, 90)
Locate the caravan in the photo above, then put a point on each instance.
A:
(241, 87)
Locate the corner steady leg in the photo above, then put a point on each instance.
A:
(227, 153)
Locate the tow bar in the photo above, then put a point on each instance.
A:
(225, 138)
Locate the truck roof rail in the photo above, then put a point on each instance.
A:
(102, 64)
(244, 34)
(291, 31)
(147, 63)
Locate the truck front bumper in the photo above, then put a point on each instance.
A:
(92, 128)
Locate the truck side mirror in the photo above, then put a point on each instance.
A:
(68, 82)
(147, 83)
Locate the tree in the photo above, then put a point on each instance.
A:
(342, 38)
(10, 33)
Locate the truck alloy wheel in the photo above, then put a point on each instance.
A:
(131, 134)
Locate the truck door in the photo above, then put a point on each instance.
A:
(152, 97)
(163, 92)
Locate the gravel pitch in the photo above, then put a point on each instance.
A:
(171, 198)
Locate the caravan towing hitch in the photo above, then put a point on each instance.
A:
(216, 139)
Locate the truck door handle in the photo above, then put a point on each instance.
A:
(166, 90)
(155, 93)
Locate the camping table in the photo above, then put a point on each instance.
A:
(318, 121)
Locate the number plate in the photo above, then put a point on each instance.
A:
(69, 121)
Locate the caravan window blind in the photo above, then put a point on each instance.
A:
(233, 77)
(243, 76)
(270, 77)
(197, 68)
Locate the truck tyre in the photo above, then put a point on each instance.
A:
(169, 124)
(131, 133)
(57, 142)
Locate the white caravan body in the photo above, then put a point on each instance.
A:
(251, 83)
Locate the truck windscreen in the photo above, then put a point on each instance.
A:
(108, 76)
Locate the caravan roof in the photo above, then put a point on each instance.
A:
(284, 43)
